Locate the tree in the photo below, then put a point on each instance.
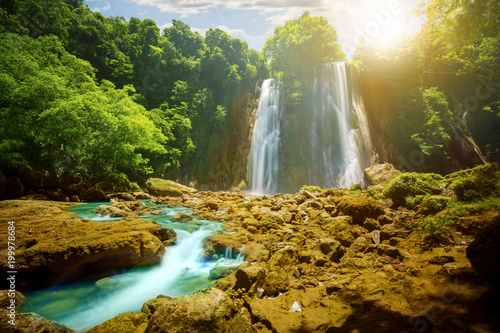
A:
(301, 44)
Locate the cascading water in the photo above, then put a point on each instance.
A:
(264, 156)
(83, 305)
(339, 152)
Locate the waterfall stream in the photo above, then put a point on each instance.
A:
(266, 140)
(340, 144)
(83, 305)
(324, 143)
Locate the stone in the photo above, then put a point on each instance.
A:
(127, 322)
(380, 174)
(284, 257)
(217, 244)
(441, 260)
(32, 323)
(212, 205)
(93, 195)
(360, 208)
(150, 306)
(433, 205)
(163, 187)
(6, 297)
(56, 242)
(484, 253)
(208, 310)
(371, 224)
(181, 218)
(220, 272)
(247, 274)
(276, 281)
(123, 196)
(389, 250)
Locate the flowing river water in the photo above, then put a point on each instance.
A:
(83, 305)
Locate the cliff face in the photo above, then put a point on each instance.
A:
(380, 105)
(224, 165)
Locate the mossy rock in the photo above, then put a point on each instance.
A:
(412, 184)
(220, 272)
(163, 187)
(360, 208)
(479, 182)
(433, 204)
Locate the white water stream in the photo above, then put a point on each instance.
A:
(83, 305)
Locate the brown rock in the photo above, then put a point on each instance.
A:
(380, 174)
(360, 208)
(181, 218)
(127, 322)
(209, 310)
(247, 274)
(30, 322)
(150, 306)
(7, 298)
(162, 187)
(52, 241)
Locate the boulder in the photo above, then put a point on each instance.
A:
(433, 204)
(247, 274)
(380, 174)
(484, 253)
(7, 297)
(181, 218)
(30, 322)
(122, 196)
(220, 272)
(209, 310)
(150, 306)
(217, 244)
(128, 322)
(93, 195)
(360, 208)
(52, 241)
(162, 187)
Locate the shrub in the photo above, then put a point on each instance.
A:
(480, 182)
(436, 226)
(402, 188)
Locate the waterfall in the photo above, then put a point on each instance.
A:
(340, 145)
(266, 140)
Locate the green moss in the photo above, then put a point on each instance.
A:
(411, 188)
(472, 184)
(438, 226)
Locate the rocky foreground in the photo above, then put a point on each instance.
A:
(381, 260)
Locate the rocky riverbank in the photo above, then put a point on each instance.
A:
(411, 255)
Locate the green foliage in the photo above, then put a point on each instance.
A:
(480, 182)
(404, 188)
(90, 128)
(301, 44)
(436, 227)
(64, 120)
(433, 137)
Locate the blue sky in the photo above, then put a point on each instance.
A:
(255, 20)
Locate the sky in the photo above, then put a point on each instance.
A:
(379, 21)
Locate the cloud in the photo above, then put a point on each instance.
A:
(107, 6)
(235, 33)
(164, 26)
(189, 7)
(143, 13)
